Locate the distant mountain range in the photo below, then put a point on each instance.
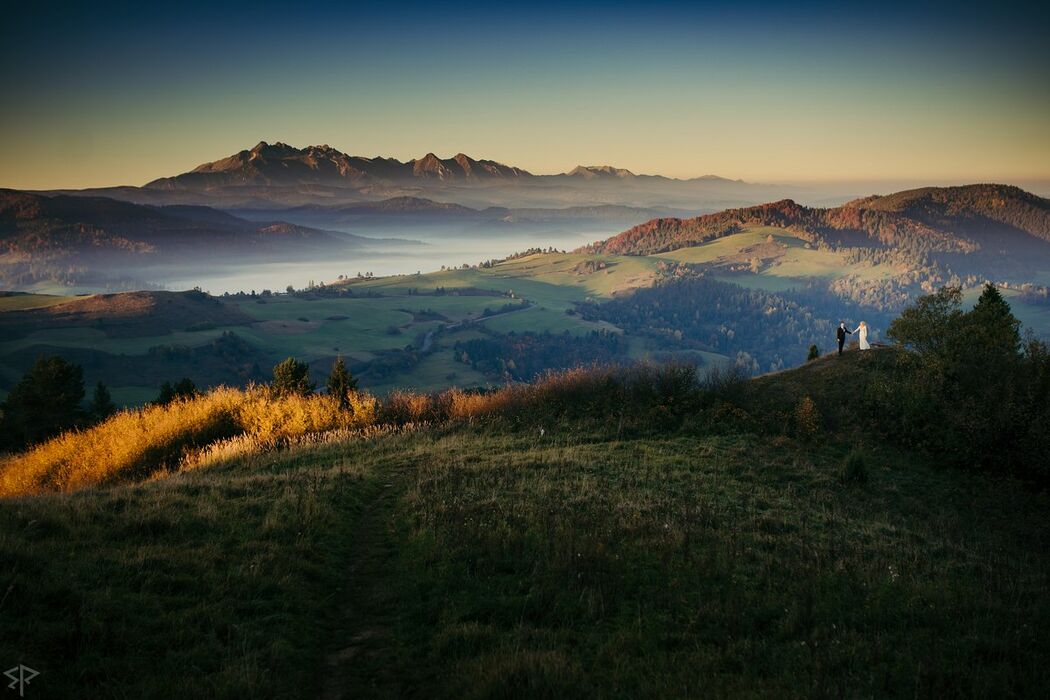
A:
(281, 164)
(278, 175)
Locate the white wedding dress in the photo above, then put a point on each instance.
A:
(863, 337)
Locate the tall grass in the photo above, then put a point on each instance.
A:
(193, 432)
(137, 444)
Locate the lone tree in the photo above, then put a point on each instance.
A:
(930, 325)
(102, 406)
(340, 382)
(45, 402)
(292, 377)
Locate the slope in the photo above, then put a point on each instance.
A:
(659, 552)
(932, 220)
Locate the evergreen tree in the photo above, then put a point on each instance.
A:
(292, 377)
(45, 402)
(166, 394)
(182, 389)
(102, 406)
(185, 388)
(341, 382)
(994, 329)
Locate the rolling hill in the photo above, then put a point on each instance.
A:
(949, 220)
(77, 237)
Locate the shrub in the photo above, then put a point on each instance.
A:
(855, 468)
(275, 418)
(807, 418)
(364, 409)
(814, 353)
(291, 377)
(407, 407)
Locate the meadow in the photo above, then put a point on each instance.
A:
(667, 547)
(785, 260)
(386, 315)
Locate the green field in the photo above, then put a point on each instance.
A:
(554, 280)
(14, 302)
(363, 327)
(786, 262)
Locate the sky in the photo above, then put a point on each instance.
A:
(99, 94)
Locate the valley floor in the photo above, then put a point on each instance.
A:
(499, 562)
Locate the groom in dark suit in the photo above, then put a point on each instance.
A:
(842, 333)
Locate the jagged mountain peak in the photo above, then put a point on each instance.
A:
(590, 172)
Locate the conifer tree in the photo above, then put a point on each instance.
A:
(44, 403)
(341, 382)
(102, 406)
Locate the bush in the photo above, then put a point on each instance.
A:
(807, 418)
(855, 468)
(275, 418)
(291, 377)
(814, 353)
(407, 407)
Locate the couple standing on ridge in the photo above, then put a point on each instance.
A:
(843, 331)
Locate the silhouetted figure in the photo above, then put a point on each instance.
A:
(842, 332)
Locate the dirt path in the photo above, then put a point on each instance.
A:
(362, 660)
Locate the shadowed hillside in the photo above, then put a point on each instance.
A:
(598, 533)
(129, 314)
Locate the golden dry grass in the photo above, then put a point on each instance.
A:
(141, 443)
(226, 423)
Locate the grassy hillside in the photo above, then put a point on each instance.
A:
(651, 546)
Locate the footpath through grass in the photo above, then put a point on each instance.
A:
(490, 562)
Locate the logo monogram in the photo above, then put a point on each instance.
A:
(20, 676)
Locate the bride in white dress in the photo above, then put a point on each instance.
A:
(862, 331)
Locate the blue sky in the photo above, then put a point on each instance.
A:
(119, 94)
